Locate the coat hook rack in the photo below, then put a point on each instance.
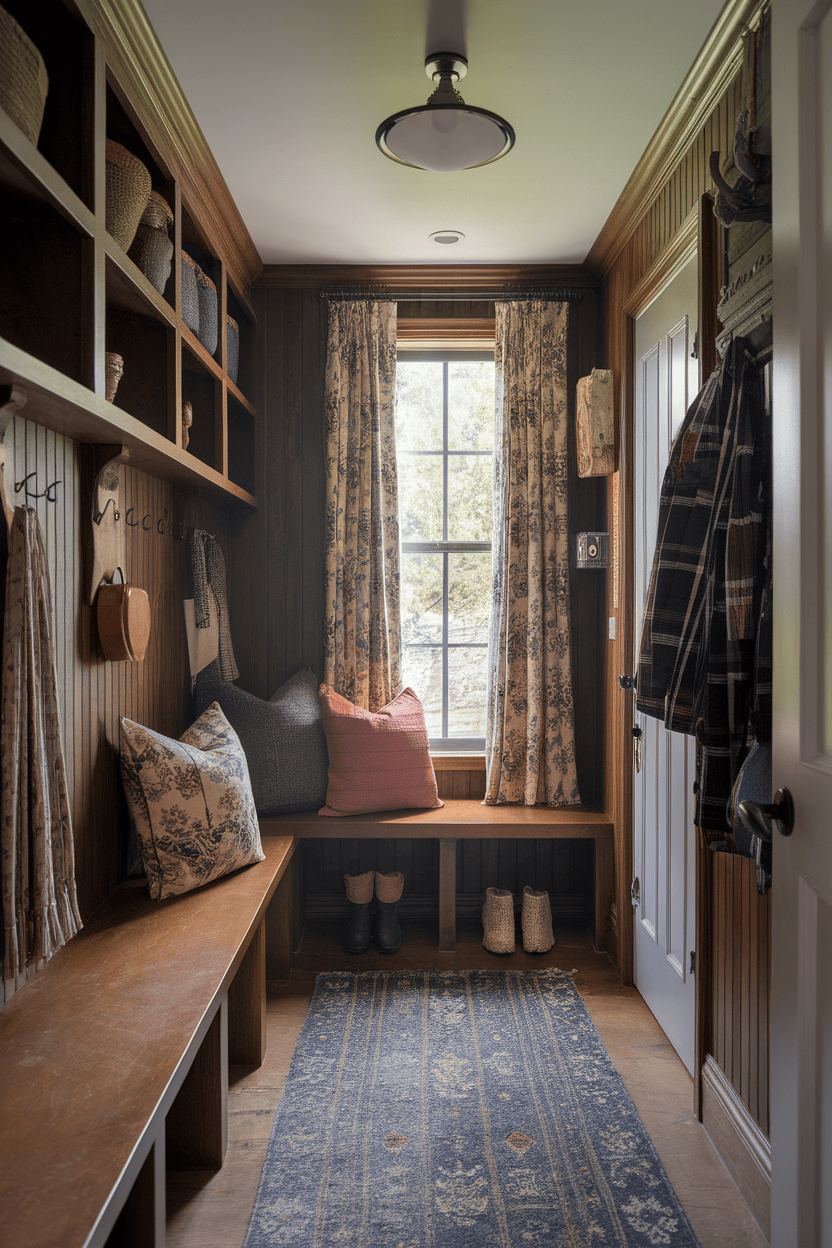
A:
(108, 535)
(12, 403)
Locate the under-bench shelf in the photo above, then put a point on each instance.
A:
(467, 818)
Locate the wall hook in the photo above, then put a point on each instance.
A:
(133, 524)
(98, 516)
(18, 485)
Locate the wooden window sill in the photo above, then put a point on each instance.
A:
(443, 761)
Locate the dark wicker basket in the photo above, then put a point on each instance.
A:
(208, 312)
(152, 250)
(190, 296)
(23, 78)
(233, 346)
(128, 189)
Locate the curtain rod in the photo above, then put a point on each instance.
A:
(512, 295)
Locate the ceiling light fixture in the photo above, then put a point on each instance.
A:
(446, 134)
(447, 236)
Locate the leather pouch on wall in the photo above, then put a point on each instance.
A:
(123, 613)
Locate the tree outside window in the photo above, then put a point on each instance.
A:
(444, 448)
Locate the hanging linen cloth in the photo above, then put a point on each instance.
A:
(362, 617)
(705, 651)
(211, 598)
(40, 907)
(529, 743)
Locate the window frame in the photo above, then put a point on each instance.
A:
(445, 547)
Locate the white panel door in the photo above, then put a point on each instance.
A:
(666, 379)
(801, 1001)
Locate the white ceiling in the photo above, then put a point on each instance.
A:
(289, 94)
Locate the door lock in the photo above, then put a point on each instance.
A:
(626, 682)
(635, 892)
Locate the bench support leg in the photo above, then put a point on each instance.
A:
(604, 889)
(197, 1121)
(279, 929)
(141, 1223)
(247, 1005)
(447, 895)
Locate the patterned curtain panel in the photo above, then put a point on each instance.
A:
(530, 748)
(362, 636)
(40, 909)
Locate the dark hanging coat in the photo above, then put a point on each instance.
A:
(699, 670)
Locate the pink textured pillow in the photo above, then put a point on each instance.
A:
(378, 760)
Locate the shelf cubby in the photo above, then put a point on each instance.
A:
(66, 138)
(43, 269)
(204, 392)
(147, 348)
(244, 317)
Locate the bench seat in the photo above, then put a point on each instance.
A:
(114, 1058)
(469, 818)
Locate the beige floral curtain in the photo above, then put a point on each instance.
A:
(362, 634)
(530, 749)
(40, 908)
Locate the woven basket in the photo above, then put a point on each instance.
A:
(208, 311)
(190, 295)
(24, 81)
(157, 214)
(113, 369)
(128, 189)
(233, 345)
(152, 251)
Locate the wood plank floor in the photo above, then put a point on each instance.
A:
(207, 1210)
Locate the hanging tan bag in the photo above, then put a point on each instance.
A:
(123, 621)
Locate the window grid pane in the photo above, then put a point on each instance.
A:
(443, 718)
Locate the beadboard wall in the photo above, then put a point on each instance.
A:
(94, 693)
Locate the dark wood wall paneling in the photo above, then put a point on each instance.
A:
(93, 693)
(737, 931)
(276, 586)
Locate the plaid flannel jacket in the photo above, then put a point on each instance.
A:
(702, 649)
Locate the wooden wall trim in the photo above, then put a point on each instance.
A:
(705, 83)
(738, 1140)
(681, 248)
(140, 64)
(446, 277)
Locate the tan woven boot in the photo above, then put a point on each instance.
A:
(536, 921)
(498, 921)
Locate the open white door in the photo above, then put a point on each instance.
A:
(665, 377)
(801, 1002)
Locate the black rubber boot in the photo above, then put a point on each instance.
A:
(357, 934)
(388, 933)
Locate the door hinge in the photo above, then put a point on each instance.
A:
(693, 961)
(635, 892)
(626, 682)
(694, 355)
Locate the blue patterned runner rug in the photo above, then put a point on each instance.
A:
(457, 1109)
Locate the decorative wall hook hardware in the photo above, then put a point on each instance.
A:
(134, 524)
(99, 516)
(50, 493)
(183, 505)
(149, 524)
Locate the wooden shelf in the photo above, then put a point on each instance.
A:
(59, 403)
(69, 293)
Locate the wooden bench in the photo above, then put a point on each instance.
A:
(467, 818)
(114, 1058)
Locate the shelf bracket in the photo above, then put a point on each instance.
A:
(12, 402)
(106, 520)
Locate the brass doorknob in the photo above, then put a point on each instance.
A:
(780, 812)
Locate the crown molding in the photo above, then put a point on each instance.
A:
(716, 65)
(139, 64)
(417, 277)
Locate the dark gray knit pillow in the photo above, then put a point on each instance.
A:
(283, 739)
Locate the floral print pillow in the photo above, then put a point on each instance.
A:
(190, 801)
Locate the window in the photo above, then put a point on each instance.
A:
(444, 447)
